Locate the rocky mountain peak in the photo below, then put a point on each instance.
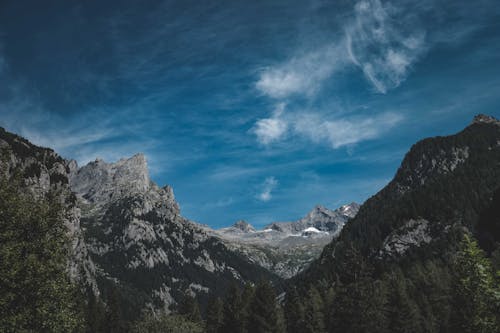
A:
(243, 226)
(349, 210)
(485, 119)
(100, 181)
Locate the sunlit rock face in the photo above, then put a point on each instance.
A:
(136, 236)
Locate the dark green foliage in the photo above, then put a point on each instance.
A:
(32, 170)
(294, 311)
(214, 316)
(476, 291)
(95, 314)
(361, 302)
(314, 320)
(35, 292)
(189, 308)
(58, 178)
(165, 324)
(265, 314)
(404, 314)
(114, 315)
(489, 225)
(234, 311)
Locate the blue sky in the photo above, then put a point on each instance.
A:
(254, 110)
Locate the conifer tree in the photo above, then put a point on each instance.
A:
(476, 293)
(265, 314)
(35, 292)
(404, 312)
(94, 314)
(294, 312)
(114, 314)
(214, 319)
(313, 314)
(233, 311)
(189, 308)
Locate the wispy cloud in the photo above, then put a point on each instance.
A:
(323, 129)
(381, 39)
(384, 41)
(301, 75)
(271, 129)
(345, 131)
(267, 188)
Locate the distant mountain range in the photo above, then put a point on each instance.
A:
(286, 248)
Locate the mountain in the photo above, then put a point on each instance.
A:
(401, 249)
(127, 233)
(319, 218)
(286, 248)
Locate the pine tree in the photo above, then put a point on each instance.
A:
(35, 293)
(233, 311)
(114, 314)
(151, 323)
(265, 314)
(404, 312)
(294, 312)
(314, 320)
(476, 292)
(94, 314)
(214, 319)
(246, 299)
(360, 303)
(189, 308)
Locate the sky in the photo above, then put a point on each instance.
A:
(254, 110)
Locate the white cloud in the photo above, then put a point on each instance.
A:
(384, 41)
(319, 129)
(271, 129)
(343, 132)
(267, 188)
(301, 75)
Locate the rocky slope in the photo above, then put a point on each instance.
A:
(286, 248)
(127, 233)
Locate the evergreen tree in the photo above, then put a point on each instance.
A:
(294, 312)
(246, 299)
(360, 303)
(165, 324)
(313, 314)
(114, 314)
(214, 320)
(94, 314)
(190, 309)
(35, 292)
(404, 312)
(476, 292)
(233, 311)
(265, 314)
